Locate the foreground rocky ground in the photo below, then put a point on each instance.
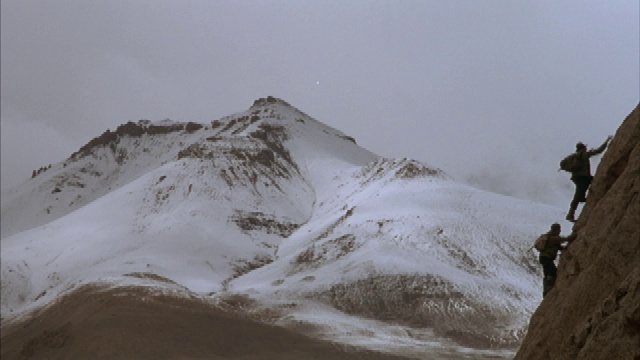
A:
(133, 323)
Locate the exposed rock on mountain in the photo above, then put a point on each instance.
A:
(593, 312)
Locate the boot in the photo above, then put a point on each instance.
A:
(571, 214)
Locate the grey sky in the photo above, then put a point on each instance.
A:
(493, 92)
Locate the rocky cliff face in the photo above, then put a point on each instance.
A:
(593, 312)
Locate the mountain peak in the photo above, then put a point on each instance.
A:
(269, 100)
(268, 138)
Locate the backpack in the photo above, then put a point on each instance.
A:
(541, 242)
(571, 163)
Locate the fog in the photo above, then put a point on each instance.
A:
(495, 93)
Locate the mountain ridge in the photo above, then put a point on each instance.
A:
(272, 205)
(100, 163)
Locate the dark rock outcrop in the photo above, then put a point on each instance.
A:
(134, 130)
(593, 312)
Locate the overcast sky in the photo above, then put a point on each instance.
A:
(493, 92)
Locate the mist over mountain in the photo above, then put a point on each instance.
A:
(265, 215)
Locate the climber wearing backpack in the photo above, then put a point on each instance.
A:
(579, 166)
(548, 245)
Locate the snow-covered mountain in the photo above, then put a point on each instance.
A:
(390, 254)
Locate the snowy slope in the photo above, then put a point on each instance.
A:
(276, 205)
(425, 251)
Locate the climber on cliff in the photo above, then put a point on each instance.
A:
(548, 244)
(579, 166)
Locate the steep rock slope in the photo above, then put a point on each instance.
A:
(593, 312)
